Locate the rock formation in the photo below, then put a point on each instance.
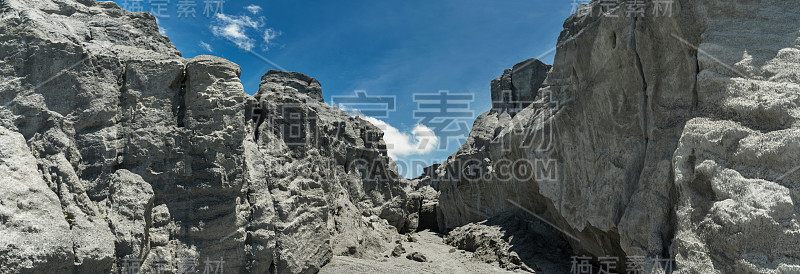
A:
(319, 179)
(657, 135)
(514, 242)
(517, 87)
(118, 153)
(661, 132)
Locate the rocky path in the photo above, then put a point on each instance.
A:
(441, 258)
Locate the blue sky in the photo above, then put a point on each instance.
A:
(386, 48)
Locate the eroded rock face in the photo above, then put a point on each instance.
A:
(35, 231)
(650, 136)
(643, 145)
(118, 152)
(725, 208)
(328, 175)
(518, 87)
(513, 243)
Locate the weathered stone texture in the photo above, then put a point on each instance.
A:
(117, 151)
(672, 136)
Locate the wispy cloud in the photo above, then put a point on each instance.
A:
(269, 35)
(206, 46)
(235, 28)
(244, 30)
(254, 9)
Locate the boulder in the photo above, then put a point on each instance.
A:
(416, 256)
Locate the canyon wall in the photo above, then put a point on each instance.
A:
(117, 153)
(663, 133)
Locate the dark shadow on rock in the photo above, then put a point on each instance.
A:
(514, 241)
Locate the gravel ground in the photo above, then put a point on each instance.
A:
(441, 258)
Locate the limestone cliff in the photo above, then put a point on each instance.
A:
(671, 134)
(659, 135)
(117, 152)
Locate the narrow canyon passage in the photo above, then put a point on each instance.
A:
(658, 140)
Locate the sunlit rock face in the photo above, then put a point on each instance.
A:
(518, 86)
(118, 153)
(331, 184)
(671, 132)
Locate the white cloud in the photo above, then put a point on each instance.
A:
(269, 35)
(206, 46)
(234, 28)
(421, 140)
(253, 9)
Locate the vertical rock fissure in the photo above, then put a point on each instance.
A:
(645, 106)
(179, 104)
(249, 197)
(645, 102)
(120, 119)
(275, 205)
(695, 97)
(148, 220)
(74, 254)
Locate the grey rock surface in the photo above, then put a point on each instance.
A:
(440, 260)
(416, 256)
(673, 136)
(517, 87)
(428, 218)
(514, 243)
(117, 152)
(35, 233)
(487, 243)
(398, 250)
(656, 136)
(329, 183)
